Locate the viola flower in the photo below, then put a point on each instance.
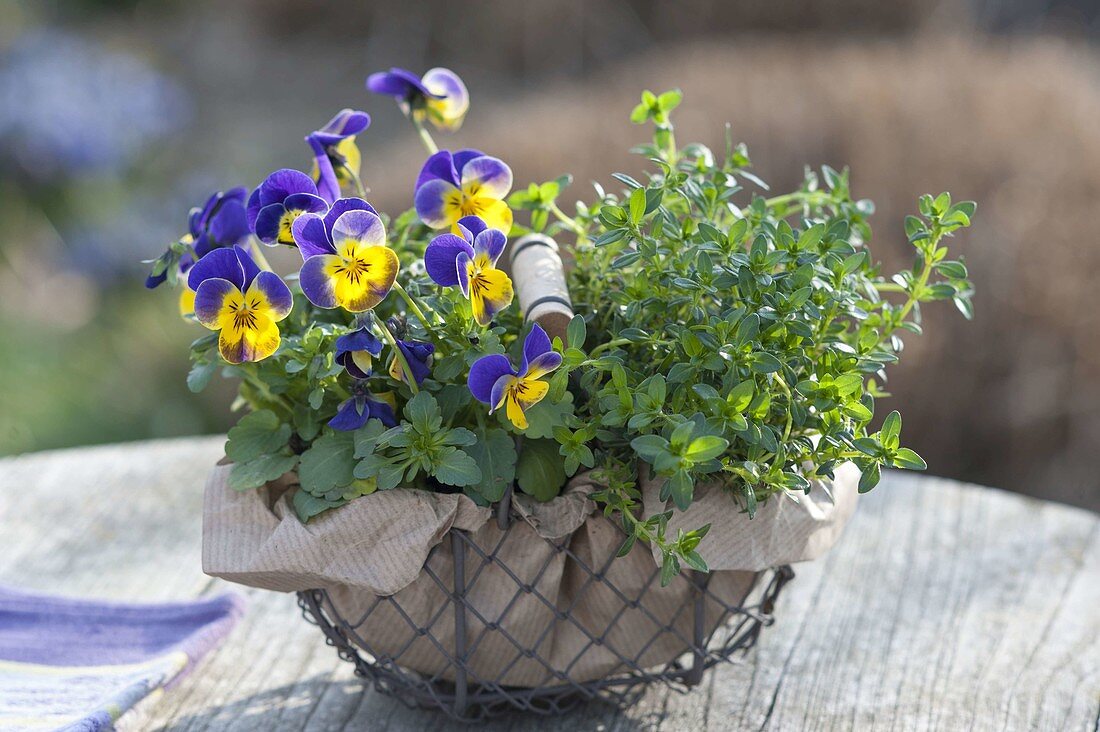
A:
(356, 351)
(233, 296)
(347, 263)
(221, 222)
(440, 95)
(273, 207)
(336, 156)
(467, 183)
(469, 261)
(493, 381)
(362, 406)
(419, 355)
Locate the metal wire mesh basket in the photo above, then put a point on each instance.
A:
(706, 629)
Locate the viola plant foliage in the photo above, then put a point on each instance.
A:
(723, 337)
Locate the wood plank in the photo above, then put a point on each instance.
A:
(944, 606)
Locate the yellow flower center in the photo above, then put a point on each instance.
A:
(245, 314)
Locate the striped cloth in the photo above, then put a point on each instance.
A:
(70, 664)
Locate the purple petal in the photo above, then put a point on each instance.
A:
(542, 365)
(417, 353)
(485, 372)
(464, 156)
(431, 202)
(382, 412)
(252, 210)
(282, 183)
(351, 364)
(362, 226)
(310, 236)
(474, 225)
(490, 242)
(462, 272)
(441, 257)
(534, 345)
(485, 176)
(439, 166)
(305, 202)
(351, 415)
(396, 83)
(346, 123)
(268, 222)
(328, 185)
(317, 286)
(220, 263)
(274, 291)
(209, 298)
(229, 224)
(247, 265)
(496, 396)
(359, 340)
(340, 205)
(446, 83)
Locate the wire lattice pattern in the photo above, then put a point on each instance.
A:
(566, 656)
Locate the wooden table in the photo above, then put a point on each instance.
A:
(944, 606)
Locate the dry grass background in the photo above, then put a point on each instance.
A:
(1011, 399)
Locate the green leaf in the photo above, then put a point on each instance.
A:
(199, 376)
(891, 430)
(422, 412)
(869, 478)
(495, 454)
(455, 467)
(576, 333)
(741, 395)
(307, 506)
(258, 433)
(649, 447)
(637, 205)
(328, 464)
(540, 470)
(705, 448)
(260, 471)
(546, 415)
(908, 459)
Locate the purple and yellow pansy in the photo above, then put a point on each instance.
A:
(336, 158)
(356, 352)
(493, 381)
(274, 206)
(348, 264)
(354, 412)
(440, 95)
(465, 183)
(418, 354)
(220, 222)
(233, 296)
(468, 260)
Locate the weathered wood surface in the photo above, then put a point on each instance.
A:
(945, 606)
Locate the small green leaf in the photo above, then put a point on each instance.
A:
(637, 205)
(199, 376)
(495, 454)
(455, 467)
(891, 430)
(328, 464)
(258, 433)
(908, 459)
(705, 448)
(540, 470)
(260, 471)
(576, 333)
(869, 478)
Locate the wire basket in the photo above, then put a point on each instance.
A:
(463, 694)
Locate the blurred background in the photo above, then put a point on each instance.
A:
(117, 117)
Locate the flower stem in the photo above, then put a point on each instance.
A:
(425, 136)
(258, 255)
(412, 305)
(400, 356)
(568, 221)
(610, 344)
(359, 187)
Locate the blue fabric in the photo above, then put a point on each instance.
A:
(79, 665)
